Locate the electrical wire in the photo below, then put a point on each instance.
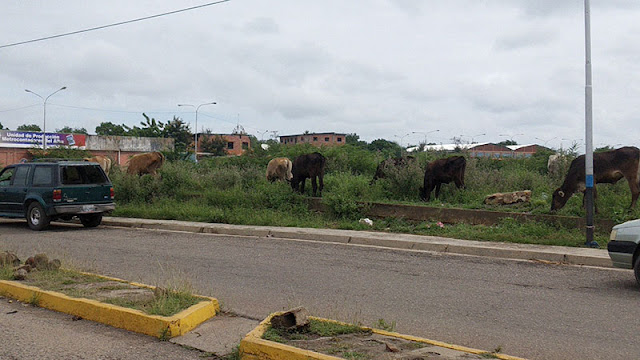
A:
(20, 108)
(112, 25)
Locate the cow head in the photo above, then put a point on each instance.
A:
(559, 199)
(423, 194)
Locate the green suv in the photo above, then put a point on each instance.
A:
(50, 190)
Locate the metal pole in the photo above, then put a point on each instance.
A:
(588, 158)
(195, 136)
(195, 141)
(44, 125)
(44, 114)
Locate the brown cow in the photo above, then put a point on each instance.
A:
(443, 171)
(387, 164)
(608, 168)
(146, 163)
(279, 169)
(105, 162)
(308, 166)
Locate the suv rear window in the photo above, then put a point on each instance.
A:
(82, 174)
(43, 176)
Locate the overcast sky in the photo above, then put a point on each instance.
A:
(510, 69)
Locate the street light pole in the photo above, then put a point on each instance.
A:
(511, 136)
(425, 134)
(472, 136)
(588, 156)
(44, 114)
(195, 140)
(262, 134)
(402, 137)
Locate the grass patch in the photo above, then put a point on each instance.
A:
(315, 327)
(233, 190)
(80, 285)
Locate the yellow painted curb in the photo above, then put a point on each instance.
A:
(116, 316)
(253, 347)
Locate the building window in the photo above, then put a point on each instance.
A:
(339, 139)
(315, 138)
(326, 139)
(245, 145)
(301, 139)
(230, 145)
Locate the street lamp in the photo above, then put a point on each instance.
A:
(425, 134)
(402, 137)
(544, 142)
(510, 136)
(262, 134)
(472, 136)
(195, 141)
(44, 114)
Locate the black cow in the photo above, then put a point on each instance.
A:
(608, 167)
(308, 166)
(443, 171)
(385, 165)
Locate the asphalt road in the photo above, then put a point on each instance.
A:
(527, 309)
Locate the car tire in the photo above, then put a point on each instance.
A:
(90, 221)
(37, 218)
(636, 269)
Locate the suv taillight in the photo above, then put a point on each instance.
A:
(57, 195)
(113, 193)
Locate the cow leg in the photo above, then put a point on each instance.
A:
(437, 190)
(321, 180)
(634, 186)
(314, 185)
(459, 182)
(302, 185)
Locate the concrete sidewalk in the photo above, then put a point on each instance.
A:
(555, 254)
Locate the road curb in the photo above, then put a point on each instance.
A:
(546, 253)
(129, 319)
(254, 347)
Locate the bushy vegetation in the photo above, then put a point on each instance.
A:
(235, 190)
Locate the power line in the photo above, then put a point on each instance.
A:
(20, 108)
(115, 24)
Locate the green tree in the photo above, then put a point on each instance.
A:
(180, 132)
(110, 129)
(31, 127)
(150, 128)
(216, 145)
(1, 127)
(507, 142)
(354, 139)
(388, 148)
(70, 130)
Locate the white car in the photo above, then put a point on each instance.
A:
(623, 246)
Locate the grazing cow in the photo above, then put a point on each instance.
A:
(385, 165)
(105, 162)
(608, 167)
(279, 169)
(146, 163)
(308, 166)
(556, 164)
(443, 171)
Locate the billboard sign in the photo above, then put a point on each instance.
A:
(30, 139)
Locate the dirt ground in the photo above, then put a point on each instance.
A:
(379, 347)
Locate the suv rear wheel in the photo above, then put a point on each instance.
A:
(90, 221)
(36, 217)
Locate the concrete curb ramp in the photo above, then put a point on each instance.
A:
(116, 316)
(253, 347)
(548, 253)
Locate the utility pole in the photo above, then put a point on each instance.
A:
(588, 156)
